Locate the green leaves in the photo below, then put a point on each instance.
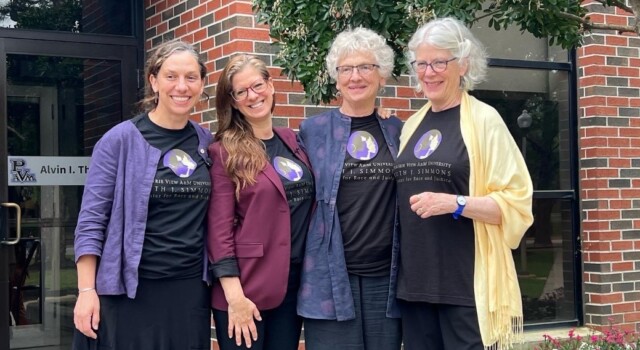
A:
(305, 28)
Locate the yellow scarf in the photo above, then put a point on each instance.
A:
(498, 171)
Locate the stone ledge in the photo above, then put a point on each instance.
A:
(533, 338)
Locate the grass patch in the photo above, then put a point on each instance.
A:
(539, 263)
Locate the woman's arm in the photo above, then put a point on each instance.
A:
(86, 314)
(483, 209)
(93, 220)
(221, 245)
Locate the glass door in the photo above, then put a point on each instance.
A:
(55, 108)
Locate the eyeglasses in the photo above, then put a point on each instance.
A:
(436, 66)
(257, 87)
(363, 69)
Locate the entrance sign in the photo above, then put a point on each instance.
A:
(47, 171)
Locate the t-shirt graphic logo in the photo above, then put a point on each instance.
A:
(287, 168)
(180, 162)
(362, 145)
(427, 144)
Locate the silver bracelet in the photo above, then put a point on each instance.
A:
(86, 289)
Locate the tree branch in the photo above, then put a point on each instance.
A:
(617, 3)
(590, 25)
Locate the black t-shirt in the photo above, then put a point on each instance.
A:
(367, 200)
(299, 188)
(437, 259)
(174, 237)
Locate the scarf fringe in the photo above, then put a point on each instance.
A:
(505, 333)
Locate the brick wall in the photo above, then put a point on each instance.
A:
(609, 136)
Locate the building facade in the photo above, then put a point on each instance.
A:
(575, 115)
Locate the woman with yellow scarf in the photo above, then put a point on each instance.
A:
(464, 195)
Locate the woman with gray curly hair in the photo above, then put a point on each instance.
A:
(464, 196)
(346, 294)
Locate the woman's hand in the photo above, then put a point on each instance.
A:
(484, 209)
(385, 113)
(86, 314)
(242, 313)
(427, 204)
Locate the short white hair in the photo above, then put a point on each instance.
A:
(450, 34)
(360, 40)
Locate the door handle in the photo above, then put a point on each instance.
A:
(18, 220)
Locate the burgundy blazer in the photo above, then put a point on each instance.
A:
(256, 229)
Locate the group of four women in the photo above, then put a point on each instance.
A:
(373, 233)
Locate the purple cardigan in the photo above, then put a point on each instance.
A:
(113, 215)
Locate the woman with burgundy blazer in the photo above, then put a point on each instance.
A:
(259, 210)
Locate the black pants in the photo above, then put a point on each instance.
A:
(165, 315)
(279, 329)
(429, 326)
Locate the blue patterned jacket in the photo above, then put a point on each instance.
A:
(325, 292)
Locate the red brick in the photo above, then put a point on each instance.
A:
(603, 257)
(250, 33)
(618, 101)
(287, 86)
(599, 49)
(600, 70)
(593, 142)
(601, 111)
(200, 11)
(630, 193)
(600, 131)
(154, 20)
(628, 72)
(394, 103)
(237, 46)
(631, 317)
(616, 41)
(221, 14)
(623, 307)
(606, 298)
(294, 123)
(619, 162)
(620, 204)
(604, 193)
(594, 183)
(602, 235)
(180, 31)
(596, 246)
(239, 7)
(213, 5)
(617, 20)
(199, 36)
(600, 173)
(186, 17)
(630, 152)
(289, 111)
(601, 152)
(592, 80)
(596, 60)
(623, 245)
(618, 142)
(603, 214)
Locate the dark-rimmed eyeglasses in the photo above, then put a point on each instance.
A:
(257, 87)
(436, 66)
(363, 69)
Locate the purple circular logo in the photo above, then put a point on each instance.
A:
(287, 168)
(362, 145)
(427, 144)
(179, 162)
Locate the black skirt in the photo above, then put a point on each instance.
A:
(165, 315)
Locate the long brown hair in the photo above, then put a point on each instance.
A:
(247, 156)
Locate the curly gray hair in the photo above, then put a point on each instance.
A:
(451, 34)
(360, 40)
